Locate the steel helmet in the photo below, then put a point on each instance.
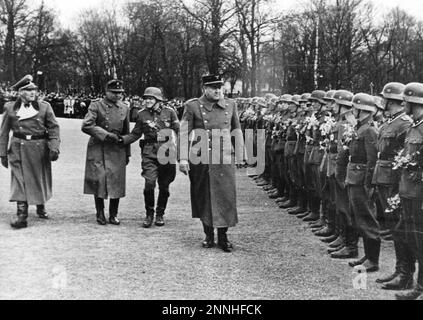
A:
(296, 99)
(153, 92)
(364, 101)
(394, 91)
(305, 97)
(413, 93)
(344, 97)
(286, 98)
(329, 95)
(318, 95)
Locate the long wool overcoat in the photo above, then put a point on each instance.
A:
(105, 168)
(213, 186)
(29, 159)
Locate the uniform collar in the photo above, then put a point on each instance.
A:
(156, 110)
(206, 103)
(418, 121)
(111, 104)
(396, 116)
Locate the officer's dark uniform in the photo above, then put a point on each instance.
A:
(290, 154)
(411, 187)
(299, 151)
(315, 160)
(363, 157)
(149, 123)
(391, 140)
(278, 147)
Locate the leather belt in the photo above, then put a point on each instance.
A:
(29, 137)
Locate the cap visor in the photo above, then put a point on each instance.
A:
(214, 83)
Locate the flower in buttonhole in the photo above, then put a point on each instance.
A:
(394, 203)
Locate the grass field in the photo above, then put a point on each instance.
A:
(71, 257)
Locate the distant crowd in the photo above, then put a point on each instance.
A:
(76, 105)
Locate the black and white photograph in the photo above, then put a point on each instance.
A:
(230, 151)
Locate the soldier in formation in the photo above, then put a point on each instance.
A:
(351, 166)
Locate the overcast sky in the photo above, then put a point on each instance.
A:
(68, 9)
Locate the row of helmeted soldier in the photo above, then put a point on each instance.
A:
(350, 165)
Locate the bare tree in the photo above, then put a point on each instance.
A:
(214, 19)
(13, 15)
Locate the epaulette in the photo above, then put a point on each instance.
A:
(407, 118)
(192, 100)
(141, 110)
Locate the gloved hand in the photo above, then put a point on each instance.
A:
(184, 167)
(53, 155)
(112, 138)
(5, 162)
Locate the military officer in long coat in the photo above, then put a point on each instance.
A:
(34, 144)
(105, 170)
(152, 122)
(213, 189)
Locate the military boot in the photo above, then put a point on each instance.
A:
(329, 239)
(263, 183)
(161, 207)
(360, 261)
(288, 204)
(314, 209)
(414, 294)
(99, 207)
(350, 251)
(41, 212)
(113, 212)
(400, 283)
(209, 241)
(301, 207)
(222, 240)
(399, 252)
(319, 224)
(402, 279)
(372, 250)
(336, 249)
(339, 241)
(292, 200)
(149, 208)
(22, 213)
(325, 232)
(282, 200)
(312, 217)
